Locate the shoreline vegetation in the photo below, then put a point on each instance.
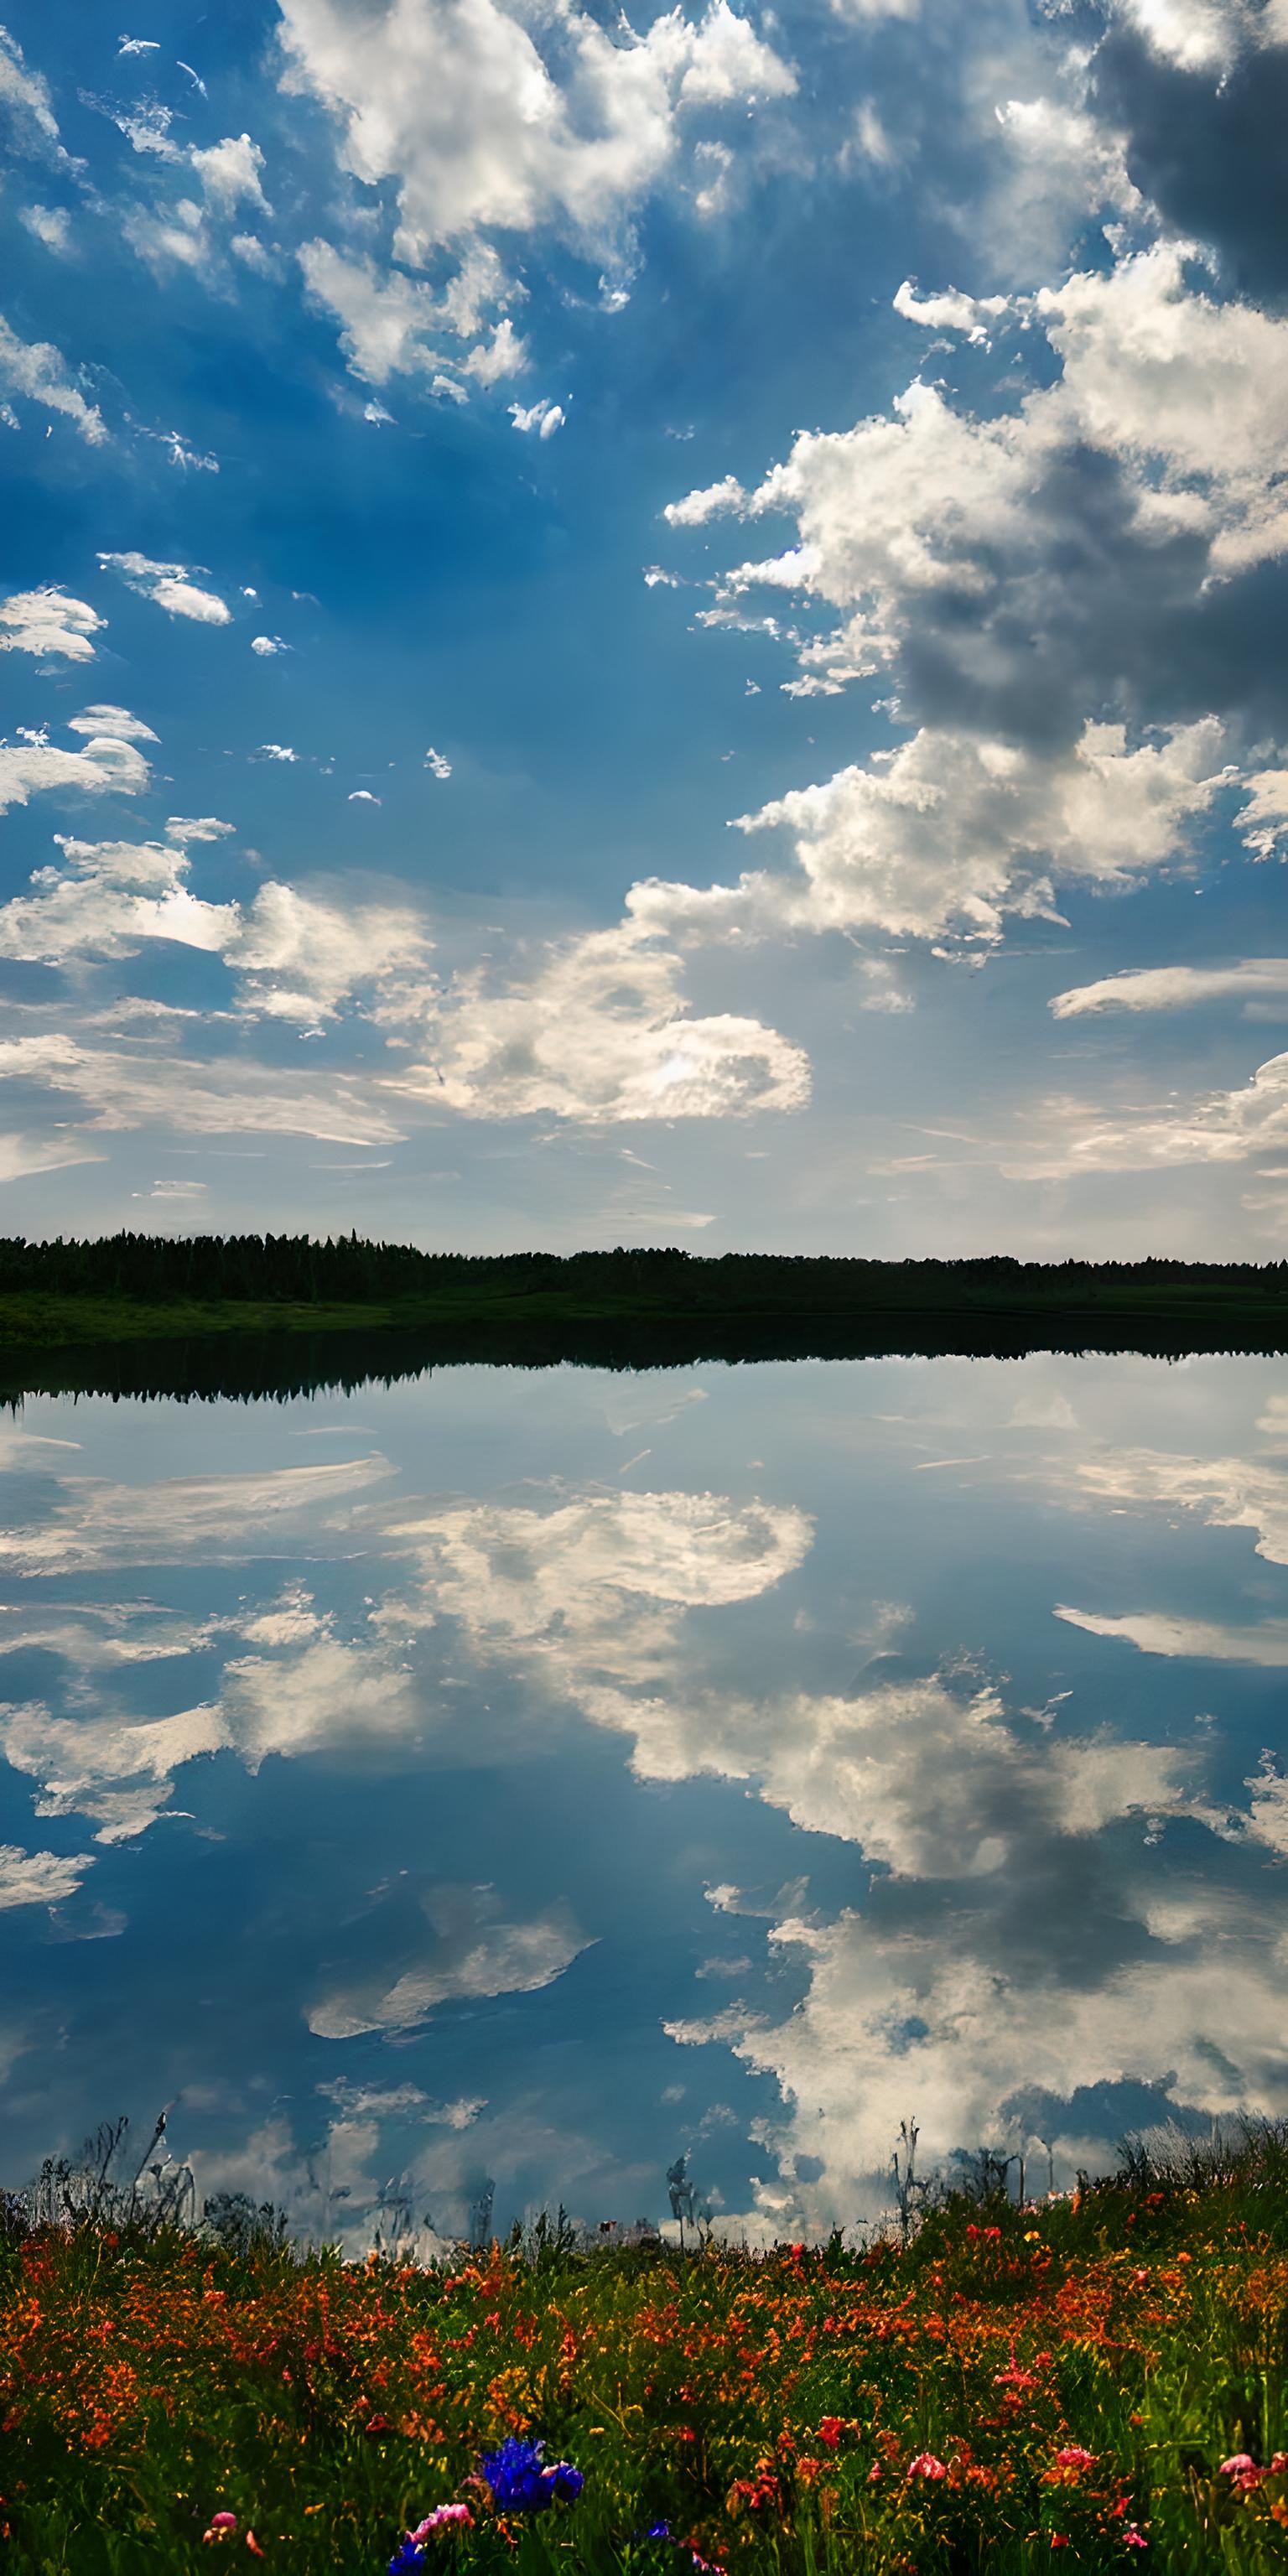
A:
(260, 1315)
(1100, 2375)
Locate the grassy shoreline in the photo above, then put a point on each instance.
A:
(1069, 2377)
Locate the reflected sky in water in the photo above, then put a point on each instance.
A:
(529, 1776)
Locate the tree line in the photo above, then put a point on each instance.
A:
(297, 1269)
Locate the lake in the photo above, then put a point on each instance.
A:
(520, 1778)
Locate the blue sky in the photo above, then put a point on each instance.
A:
(462, 459)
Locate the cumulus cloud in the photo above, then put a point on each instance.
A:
(39, 372)
(545, 417)
(1086, 541)
(453, 100)
(37, 1878)
(229, 173)
(600, 1032)
(949, 832)
(108, 764)
(51, 225)
(296, 955)
(170, 587)
(48, 622)
(395, 325)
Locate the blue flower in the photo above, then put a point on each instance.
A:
(516, 2478)
(564, 2481)
(521, 2483)
(407, 2559)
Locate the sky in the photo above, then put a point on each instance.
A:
(654, 630)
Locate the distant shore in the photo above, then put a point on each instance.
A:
(138, 1314)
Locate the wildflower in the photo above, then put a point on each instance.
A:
(1074, 2457)
(1244, 2471)
(444, 2517)
(520, 2481)
(222, 2527)
(927, 2466)
(253, 2545)
(830, 2430)
(1134, 2537)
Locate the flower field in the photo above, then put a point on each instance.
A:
(1099, 2382)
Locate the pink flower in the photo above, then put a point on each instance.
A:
(927, 2466)
(222, 2527)
(444, 2517)
(1244, 2471)
(1134, 2538)
(1075, 2458)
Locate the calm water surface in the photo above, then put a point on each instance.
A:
(529, 1776)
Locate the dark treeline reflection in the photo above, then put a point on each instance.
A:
(247, 1367)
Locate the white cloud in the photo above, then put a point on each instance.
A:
(38, 371)
(115, 721)
(1214, 1127)
(22, 1155)
(454, 101)
(106, 766)
(393, 325)
(49, 621)
(97, 1525)
(51, 225)
(600, 1033)
(233, 1096)
(1227, 1493)
(438, 765)
(266, 645)
(505, 354)
(169, 586)
(476, 1953)
(1206, 35)
(1161, 1632)
(544, 416)
(973, 314)
(304, 956)
(229, 173)
(27, 105)
(38, 1878)
(254, 254)
(1176, 988)
(953, 833)
(697, 507)
(280, 751)
(297, 956)
(146, 128)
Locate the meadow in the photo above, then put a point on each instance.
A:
(1097, 2378)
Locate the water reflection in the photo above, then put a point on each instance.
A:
(526, 1777)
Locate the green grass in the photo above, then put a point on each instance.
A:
(772, 2411)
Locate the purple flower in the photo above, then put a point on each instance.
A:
(521, 2483)
(406, 2560)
